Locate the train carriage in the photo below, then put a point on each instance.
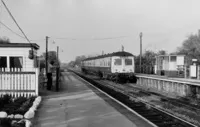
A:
(118, 66)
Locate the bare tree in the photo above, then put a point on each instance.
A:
(79, 59)
(162, 52)
(4, 40)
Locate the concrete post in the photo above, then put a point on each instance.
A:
(185, 71)
(198, 72)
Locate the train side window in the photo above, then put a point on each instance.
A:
(108, 63)
(118, 62)
(128, 61)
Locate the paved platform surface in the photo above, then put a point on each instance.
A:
(80, 105)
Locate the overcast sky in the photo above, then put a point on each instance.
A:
(165, 24)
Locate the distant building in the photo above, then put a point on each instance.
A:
(170, 65)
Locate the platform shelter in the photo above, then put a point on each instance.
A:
(170, 65)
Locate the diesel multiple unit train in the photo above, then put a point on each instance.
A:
(117, 66)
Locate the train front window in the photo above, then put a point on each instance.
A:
(118, 62)
(128, 61)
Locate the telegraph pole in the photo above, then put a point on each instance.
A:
(47, 54)
(140, 52)
(57, 54)
(57, 71)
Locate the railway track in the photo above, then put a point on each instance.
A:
(156, 116)
(175, 102)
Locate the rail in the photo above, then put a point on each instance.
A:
(140, 107)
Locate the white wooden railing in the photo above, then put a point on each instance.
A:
(17, 82)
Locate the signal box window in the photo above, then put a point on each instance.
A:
(16, 62)
(3, 62)
(118, 62)
(173, 58)
(128, 61)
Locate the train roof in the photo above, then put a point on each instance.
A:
(121, 53)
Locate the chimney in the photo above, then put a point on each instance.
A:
(122, 48)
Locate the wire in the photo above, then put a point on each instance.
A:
(15, 22)
(38, 40)
(11, 30)
(17, 33)
(78, 39)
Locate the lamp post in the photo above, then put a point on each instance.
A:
(57, 69)
(140, 52)
(47, 54)
(58, 55)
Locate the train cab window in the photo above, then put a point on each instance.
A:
(118, 62)
(128, 61)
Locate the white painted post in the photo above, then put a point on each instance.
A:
(28, 84)
(3, 82)
(33, 86)
(15, 82)
(21, 83)
(25, 84)
(37, 82)
(11, 82)
(6, 82)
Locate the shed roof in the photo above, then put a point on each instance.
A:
(20, 45)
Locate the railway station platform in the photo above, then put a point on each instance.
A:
(181, 87)
(189, 80)
(80, 105)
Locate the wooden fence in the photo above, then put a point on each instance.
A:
(17, 82)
